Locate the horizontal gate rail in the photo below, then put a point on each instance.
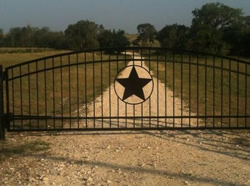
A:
(91, 90)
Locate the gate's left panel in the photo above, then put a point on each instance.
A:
(45, 94)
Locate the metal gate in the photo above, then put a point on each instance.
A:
(126, 89)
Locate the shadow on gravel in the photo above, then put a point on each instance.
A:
(152, 171)
(227, 142)
(11, 148)
(231, 143)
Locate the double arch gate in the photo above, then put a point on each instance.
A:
(126, 89)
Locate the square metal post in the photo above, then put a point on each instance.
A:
(2, 128)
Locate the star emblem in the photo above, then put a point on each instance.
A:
(133, 85)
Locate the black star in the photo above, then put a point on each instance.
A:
(133, 85)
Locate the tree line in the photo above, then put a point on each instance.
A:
(216, 28)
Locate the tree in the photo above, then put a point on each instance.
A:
(1, 37)
(147, 34)
(173, 36)
(46, 38)
(111, 39)
(82, 35)
(208, 24)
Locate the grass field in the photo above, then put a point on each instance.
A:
(209, 86)
(12, 56)
(56, 91)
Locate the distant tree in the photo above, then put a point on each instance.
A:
(208, 24)
(105, 39)
(237, 36)
(48, 39)
(174, 36)
(1, 37)
(13, 37)
(111, 39)
(247, 22)
(101, 29)
(82, 35)
(147, 34)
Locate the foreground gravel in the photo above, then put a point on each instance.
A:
(129, 158)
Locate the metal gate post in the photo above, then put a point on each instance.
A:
(2, 128)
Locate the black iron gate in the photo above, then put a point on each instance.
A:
(126, 89)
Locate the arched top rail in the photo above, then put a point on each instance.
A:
(125, 51)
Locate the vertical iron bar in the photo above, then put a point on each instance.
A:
(157, 67)
(7, 119)
(93, 60)
(69, 73)
(77, 91)
(117, 69)
(166, 102)
(134, 105)
(13, 97)
(246, 71)
(2, 124)
(149, 66)
(142, 103)
(189, 91)
(21, 95)
(182, 90)
(222, 65)
(61, 82)
(126, 106)
(109, 93)
(102, 88)
(29, 94)
(205, 91)
(173, 89)
(238, 82)
(85, 84)
(53, 84)
(45, 91)
(133, 116)
(198, 110)
(230, 97)
(213, 91)
(37, 96)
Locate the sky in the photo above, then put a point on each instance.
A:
(112, 14)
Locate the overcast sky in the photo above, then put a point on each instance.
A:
(113, 14)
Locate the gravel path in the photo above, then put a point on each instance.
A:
(160, 103)
(129, 158)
